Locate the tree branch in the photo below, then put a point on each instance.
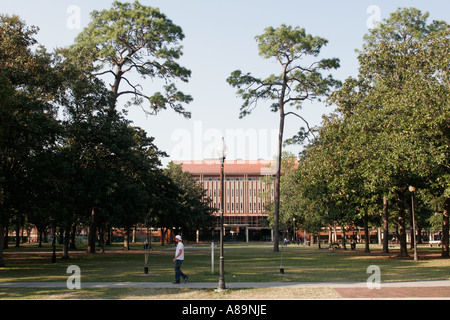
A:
(306, 122)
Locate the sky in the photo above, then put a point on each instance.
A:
(220, 38)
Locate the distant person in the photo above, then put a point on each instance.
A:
(179, 258)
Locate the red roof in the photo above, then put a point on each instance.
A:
(238, 167)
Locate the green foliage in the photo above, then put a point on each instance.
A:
(136, 38)
(390, 129)
(28, 125)
(299, 81)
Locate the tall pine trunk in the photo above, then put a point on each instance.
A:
(276, 214)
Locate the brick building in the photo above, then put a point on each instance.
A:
(248, 188)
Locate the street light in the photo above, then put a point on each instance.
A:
(412, 189)
(222, 151)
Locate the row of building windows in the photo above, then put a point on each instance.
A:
(238, 207)
(242, 194)
(233, 178)
(213, 193)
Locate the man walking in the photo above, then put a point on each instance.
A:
(179, 258)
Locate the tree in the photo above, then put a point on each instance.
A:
(397, 109)
(27, 116)
(136, 38)
(297, 83)
(194, 208)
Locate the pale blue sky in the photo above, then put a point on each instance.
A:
(220, 39)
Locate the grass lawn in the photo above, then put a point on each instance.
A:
(255, 262)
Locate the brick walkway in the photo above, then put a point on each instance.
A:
(395, 293)
(347, 290)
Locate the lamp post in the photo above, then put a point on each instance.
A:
(412, 189)
(222, 151)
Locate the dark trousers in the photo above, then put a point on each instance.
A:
(178, 272)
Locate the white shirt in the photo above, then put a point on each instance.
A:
(180, 246)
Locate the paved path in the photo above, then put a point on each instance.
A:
(434, 289)
(231, 285)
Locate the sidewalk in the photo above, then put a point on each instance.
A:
(434, 289)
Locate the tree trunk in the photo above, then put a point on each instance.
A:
(276, 214)
(163, 236)
(2, 241)
(66, 240)
(385, 226)
(126, 239)
(401, 224)
(366, 234)
(102, 236)
(61, 235)
(419, 234)
(108, 239)
(17, 234)
(73, 245)
(318, 240)
(344, 246)
(411, 229)
(92, 232)
(5, 234)
(445, 229)
(41, 234)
